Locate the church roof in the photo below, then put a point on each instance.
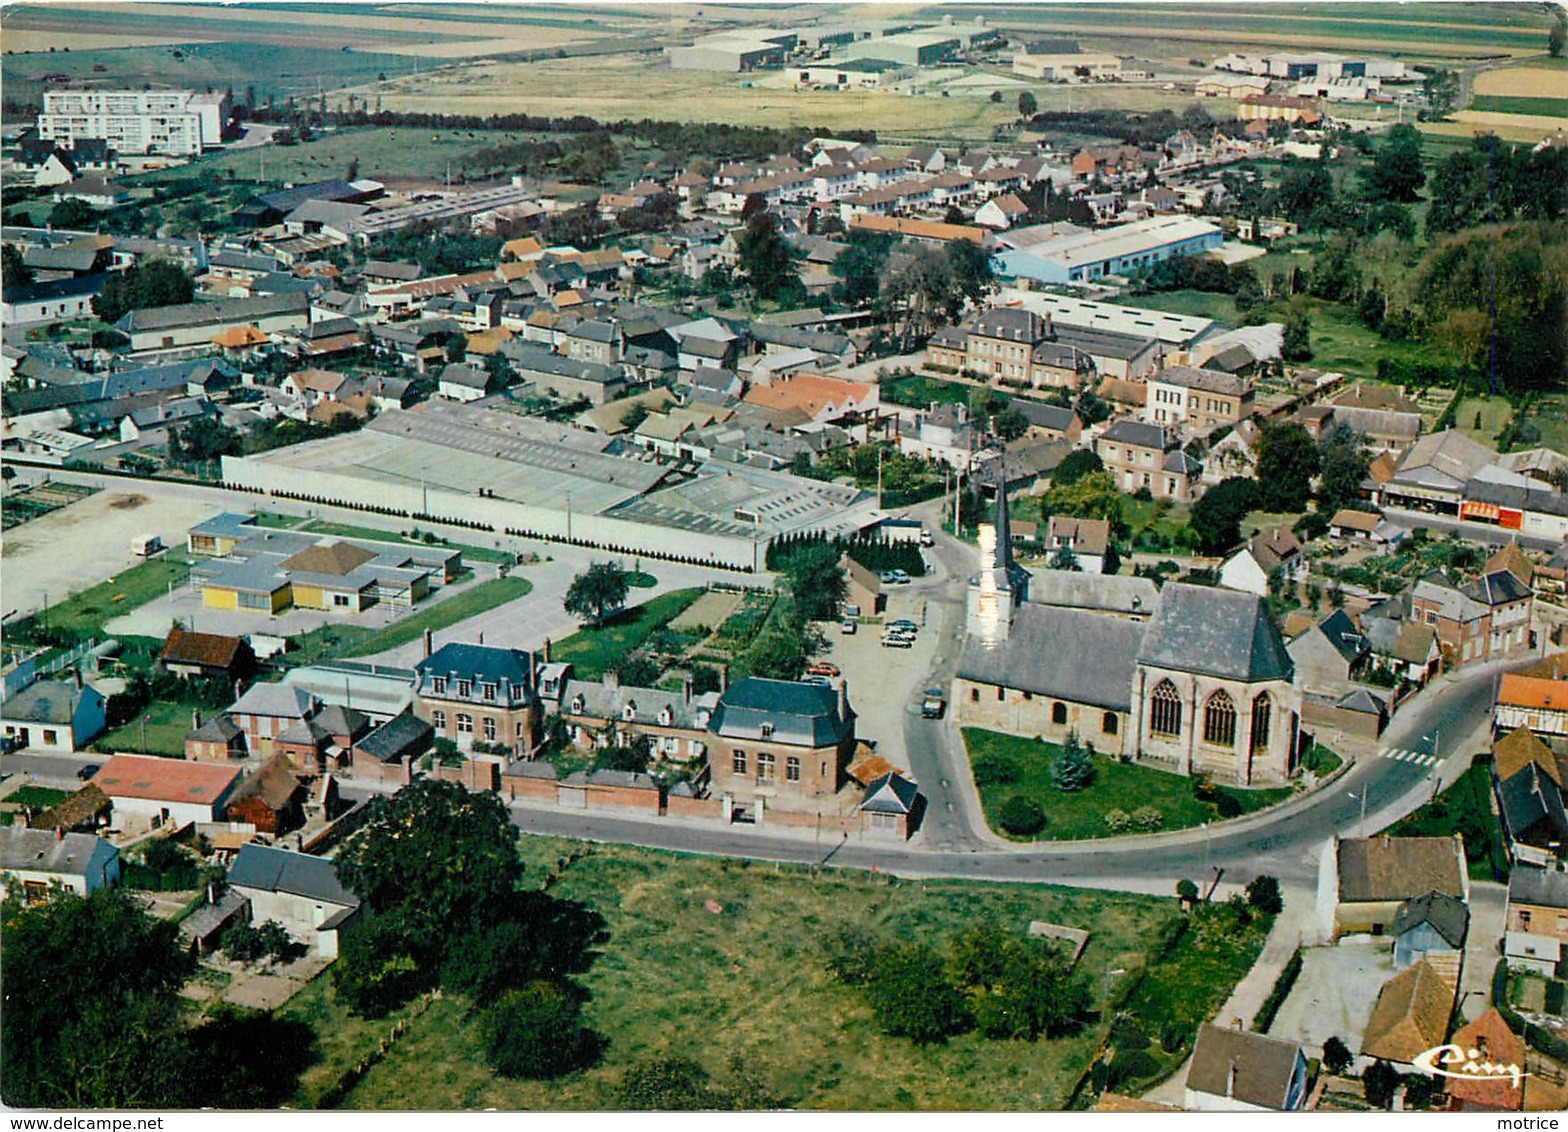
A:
(1223, 633)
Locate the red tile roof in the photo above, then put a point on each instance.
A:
(164, 780)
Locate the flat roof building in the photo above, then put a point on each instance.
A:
(1087, 256)
(176, 122)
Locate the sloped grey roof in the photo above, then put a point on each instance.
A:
(1263, 1066)
(802, 714)
(278, 870)
(1111, 593)
(39, 850)
(1528, 799)
(890, 794)
(1546, 888)
(1140, 434)
(1068, 654)
(1450, 918)
(1224, 633)
(47, 701)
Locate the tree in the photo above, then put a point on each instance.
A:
(635, 414)
(1027, 105)
(1063, 558)
(154, 283)
(1020, 816)
(1440, 89)
(72, 213)
(1071, 770)
(1379, 1082)
(1017, 988)
(816, 581)
(1094, 496)
(1216, 516)
(600, 589)
(1296, 344)
(13, 269)
(1080, 462)
(1009, 424)
(1264, 895)
(1396, 173)
(1336, 1056)
(1343, 468)
(1186, 892)
(860, 268)
(911, 996)
(1557, 35)
(766, 258)
(431, 858)
(1287, 461)
(92, 1013)
(536, 1032)
(203, 439)
(245, 942)
(672, 1084)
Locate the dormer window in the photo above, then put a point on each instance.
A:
(487, 691)
(577, 704)
(666, 716)
(630, 710)
(767, 730)
(438, 685)
(465, 688)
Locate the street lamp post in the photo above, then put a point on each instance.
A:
(1363, 796)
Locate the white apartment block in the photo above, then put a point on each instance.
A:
(176, 122)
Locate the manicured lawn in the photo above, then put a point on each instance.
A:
(1005, 765)
(918, 391)
(442, 614)
(346, 530)
(276, 521)
(1465, 808)
(675, 978)
(592, 652)
(85, 613)
(641, 580)
(167, 725)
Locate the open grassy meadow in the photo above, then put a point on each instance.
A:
(591, 652)
(1491, 414)
(166, 727)
(748, 982)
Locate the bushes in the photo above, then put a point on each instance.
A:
(1147, 818)
(246, 943)
(536, 1032)
(1555, 993)
(1264, 895)
(994, 770)
(1118, 821)
(1287, 979)
(1021, 817)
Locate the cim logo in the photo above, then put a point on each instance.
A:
(1466, 1065)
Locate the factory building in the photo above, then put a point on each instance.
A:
(733, 52)
(1082, 257)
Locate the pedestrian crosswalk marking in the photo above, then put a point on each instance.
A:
(1414, 758)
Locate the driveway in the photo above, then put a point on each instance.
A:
(1334, 993)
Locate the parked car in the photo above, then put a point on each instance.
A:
(933, 704)
(823, 668)
(894, 641)
(899, 577)
(925, 538)
(847, 627)
(86, 772)
(851, 611)
(886, 577)
(822, 680)
(904, 624)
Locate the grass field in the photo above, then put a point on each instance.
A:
(40, 797)
(1005, 765)
(918, 391)
(592, 652)
(86, 612)
(748, 983)
(1539, 78)
(1549, 415)
(612, 87)
(167, 725)
(1521, 104)
(1339, 341)
(1493, 413)
(442, 615)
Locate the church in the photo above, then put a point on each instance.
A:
(1198, 684)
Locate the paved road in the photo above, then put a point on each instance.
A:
(1477, 532)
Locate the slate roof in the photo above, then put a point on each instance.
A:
(624, 779)
(298, 874)
(1139, 434)
(1411, 1014)
(46, 701)
(218, 729)
(1204, 380)
(1263, 1066)
(890, 794)
(1450, 918)
(1529, 799)
(1011, 324)
(216, 312)
(528, 358)
(801, 714)
(1497, 588)
(1545, 888)
(403, 734)
(40, 851)
(1110, 593)
(1068, 654)
(274, 699)
(1041, 415)
(483, 664)
(1343, 634)
(1375, 869)
(336, 719)
(1223, 633)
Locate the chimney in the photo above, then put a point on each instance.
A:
(78, 675)
(843, 698)
(533, 671)
(59, 833)
(547, 650)
(429, 640)
(612, 679)
(1230, 1080)
(724, 678)
(195, 718)
(686, 686)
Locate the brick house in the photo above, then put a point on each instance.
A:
(266, 711)
(208, 655)
(1143, 455)
(1488, 617)
(217, 740)
(479, 694)
(1199, 400)
(779, 744)
(387, 754)
(271, 799)
(1536, 926)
